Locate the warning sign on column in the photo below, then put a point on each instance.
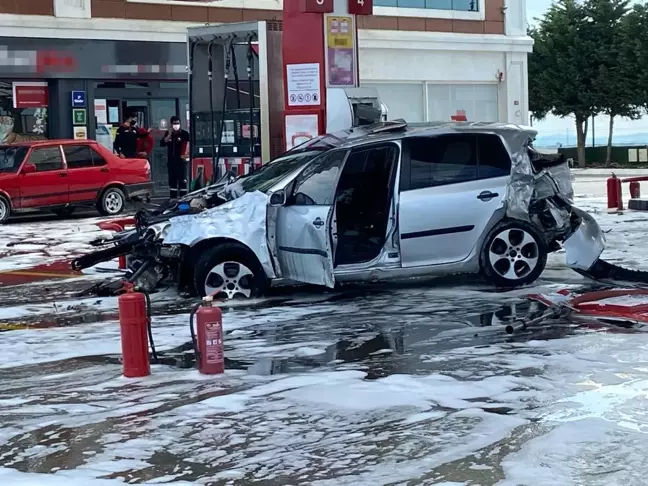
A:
(303, 84)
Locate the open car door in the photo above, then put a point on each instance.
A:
(305, 223)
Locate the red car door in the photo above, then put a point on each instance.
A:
(87, 172)
(43, 178)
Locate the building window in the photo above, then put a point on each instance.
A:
(23, 111)
(477, 102)
(460, 5)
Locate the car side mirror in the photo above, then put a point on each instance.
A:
(278, 198)
(28, 169)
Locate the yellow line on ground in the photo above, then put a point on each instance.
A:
(13, 327)
(38, 274)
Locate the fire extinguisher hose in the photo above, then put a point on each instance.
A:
(194, 340)
(148, 324)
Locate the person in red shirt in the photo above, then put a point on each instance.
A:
(127, 142)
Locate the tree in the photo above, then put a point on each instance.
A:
(614, 89)
(633, 52)
(562, 68)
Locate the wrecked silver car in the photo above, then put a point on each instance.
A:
(382, 202)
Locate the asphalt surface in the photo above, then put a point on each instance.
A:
(382, 384)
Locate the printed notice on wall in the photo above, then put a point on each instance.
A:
(300, 129)
(340, 51)
(101, 111)
(303, 84)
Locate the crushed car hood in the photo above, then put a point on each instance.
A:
(242, 219)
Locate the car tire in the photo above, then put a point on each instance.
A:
(5, 209)
(230, 270)
(64, 212)
(513, 254)
(112, 202)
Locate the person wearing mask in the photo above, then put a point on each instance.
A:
(176, 141)
(128, 135)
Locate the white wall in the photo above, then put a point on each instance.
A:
(387, 57)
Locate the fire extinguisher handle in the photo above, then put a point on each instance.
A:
(148, 324)
(194, 340)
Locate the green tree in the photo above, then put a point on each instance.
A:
(614, 86)
(562, 68)
(633, 52)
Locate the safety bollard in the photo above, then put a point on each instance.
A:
(208, 337)
(635, 190)
(614, 196)
(133, 326)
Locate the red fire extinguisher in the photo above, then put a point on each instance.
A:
(614, 194)
(208, 337)
(135, 329)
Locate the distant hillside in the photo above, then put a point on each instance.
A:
(553, 141)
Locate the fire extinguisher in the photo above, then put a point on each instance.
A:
(207, 338)
(135, 328)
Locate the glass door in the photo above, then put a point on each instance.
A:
(161, 112)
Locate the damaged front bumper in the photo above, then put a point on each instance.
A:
(586, 244)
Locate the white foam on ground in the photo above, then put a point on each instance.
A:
(561, 412)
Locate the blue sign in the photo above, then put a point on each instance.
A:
(78, 99)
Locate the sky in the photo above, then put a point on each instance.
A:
(562, 130)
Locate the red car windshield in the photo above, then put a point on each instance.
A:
(11, 158)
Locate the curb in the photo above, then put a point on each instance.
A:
(608, 172)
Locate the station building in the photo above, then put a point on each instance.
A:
(429, 59)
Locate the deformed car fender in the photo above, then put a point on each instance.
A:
(242, 220)
(585, 245)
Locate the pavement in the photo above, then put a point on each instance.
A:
(373, 385)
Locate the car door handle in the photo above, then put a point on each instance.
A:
(62, 174)
(105, 169)
(487, 195)
(318, 222)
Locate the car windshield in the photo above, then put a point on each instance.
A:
(270, 174)
(11, 158)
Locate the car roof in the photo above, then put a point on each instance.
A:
(40, 143)
(399, 129)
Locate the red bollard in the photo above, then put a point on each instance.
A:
(614, 195)
(133, 325)
(208, 345)
(635, 190)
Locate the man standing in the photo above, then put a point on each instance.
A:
(126, 140)
(176, 141)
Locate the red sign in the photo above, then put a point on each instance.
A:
(30, 95)
(55, 61)
(361, 7)
(460, 116)
(316, 6)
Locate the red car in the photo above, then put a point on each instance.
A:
(58, 175)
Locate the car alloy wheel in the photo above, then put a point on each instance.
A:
(514, 254)
(230, 279)
(113, 202)
(4, 210)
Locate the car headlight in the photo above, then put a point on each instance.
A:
(159, 231)
(165, 231)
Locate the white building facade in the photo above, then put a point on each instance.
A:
(429, 59)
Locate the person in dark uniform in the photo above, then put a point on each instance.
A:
(176, 141)
(126, 140)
